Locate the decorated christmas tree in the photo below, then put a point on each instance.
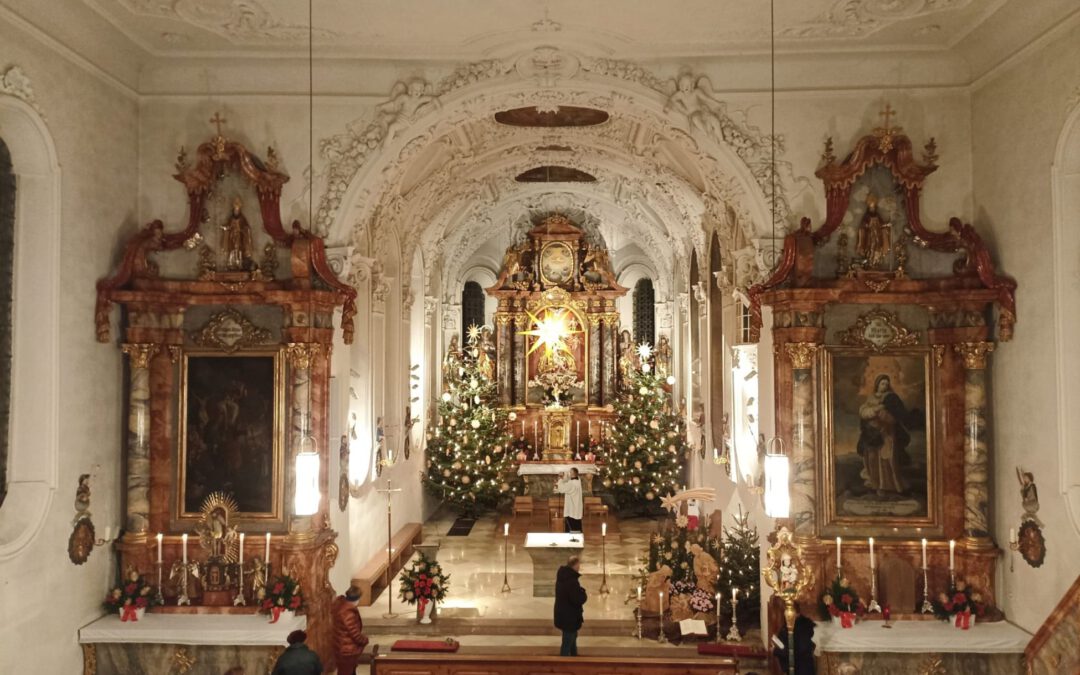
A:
(741, 568)
(469, 453)
(646, 442)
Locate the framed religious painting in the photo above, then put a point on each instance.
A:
(880, 467)
(231, 437)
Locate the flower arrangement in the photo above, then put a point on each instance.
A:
(700, 601)
(960, 601)
(283, 593)
(134, 595)
(424, 582)
(841, 601)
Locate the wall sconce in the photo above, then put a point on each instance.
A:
(777, 486)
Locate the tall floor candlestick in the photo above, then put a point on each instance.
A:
(389, 551)
(506, 552)
(638, 612)
(604, 590)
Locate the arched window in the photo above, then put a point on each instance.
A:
(7, 249)
(472, 307)
(644, 312)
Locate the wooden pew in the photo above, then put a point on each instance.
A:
(395, 663)
(371, 578)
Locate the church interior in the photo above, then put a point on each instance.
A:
(407, 337)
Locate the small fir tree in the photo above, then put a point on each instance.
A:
(646, 443)
(741, 568)
(469, 452)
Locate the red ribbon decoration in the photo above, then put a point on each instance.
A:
(276, 613)
(423, 601)
(129, 613)
(963, 620)
(847, 619)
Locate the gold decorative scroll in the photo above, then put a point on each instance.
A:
(301, 354)
(229, 331)
(801, 354)
(974, 353)
(140, 354)
(878, 330)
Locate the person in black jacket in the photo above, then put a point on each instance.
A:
(297, 659)
(570, 600)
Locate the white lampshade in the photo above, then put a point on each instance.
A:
(307, 483)
(777, 494)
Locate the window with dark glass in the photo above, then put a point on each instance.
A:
(644, 312)
(7, 251)
(472, 307)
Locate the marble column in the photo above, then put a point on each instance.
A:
(521, 323)
(610, 338)
(300, 356)
(503, 363)
(976, 442)
(596, 358)
(803, 438)
(138, 437)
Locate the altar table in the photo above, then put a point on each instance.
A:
(165, 643)
(540, 477)
(912, 646)
(549, 551)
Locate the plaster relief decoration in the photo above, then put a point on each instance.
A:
(239, 21)
(229, 331)
(1030, 541)
(14, 82)
(408, 100)
(878, 330)
(81, 541)
(859, 18)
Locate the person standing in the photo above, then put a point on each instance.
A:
(297, 659)
(349, 638)
(570, 600)
(573, 504)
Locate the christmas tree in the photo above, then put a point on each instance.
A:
(469, 454)
(646, 442)
(741, 568)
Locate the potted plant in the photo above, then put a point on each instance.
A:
(841, 603)
(281, 596)
(960, 605)
(130, 599)
(424, 584)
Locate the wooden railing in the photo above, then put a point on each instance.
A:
(1054, 649)
(516, 664)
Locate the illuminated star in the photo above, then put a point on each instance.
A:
(644, 351)
(551, 331)
(473, 333)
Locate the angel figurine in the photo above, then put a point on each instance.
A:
(1029, 495)
(407, 102)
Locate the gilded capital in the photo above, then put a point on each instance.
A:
(300, 354)
(975, 353)
(801, 353)
(140, 353)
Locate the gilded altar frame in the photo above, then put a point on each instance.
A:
(556, 299)
(831, 522)
(276, 514)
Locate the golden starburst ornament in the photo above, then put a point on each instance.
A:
(551, 331)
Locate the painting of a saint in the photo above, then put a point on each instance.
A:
(230, 438)
(880, 459)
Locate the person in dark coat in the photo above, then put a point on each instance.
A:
(297, 659)
(804, 647)
(570, 600)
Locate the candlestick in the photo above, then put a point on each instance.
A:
(873, 606)
(924, 553)
(159, 537)
(1014, 545)
(266, 556)
(638, 612)
(506, 552)
(927, 606)
(603, 529)
(183, 538)
(604, 590)
(158, 597)
(661, 638)
(733, 634)
(577, 433)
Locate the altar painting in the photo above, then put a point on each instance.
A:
(880, 463)
(230, 437)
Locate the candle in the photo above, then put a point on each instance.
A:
(506, 529)
(734, 594)
(577, 431)
(639, 594)
(590, 430)
(872, 553)
(183, 538)
(661, 603)
(924, 554)
(523, 429)
(603, 529)
(838, 551)
(536, 436)
(159, 535)
(241, 548)
(1012, 535)
(952, 554)
(266, 556)
(108, 533)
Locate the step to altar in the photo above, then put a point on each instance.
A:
(443, 626)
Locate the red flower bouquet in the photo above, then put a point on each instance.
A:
(840, 601)
(130, 599)
(960, 604)
(423, 582)
(282, 594)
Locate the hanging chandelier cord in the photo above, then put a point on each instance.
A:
(772, 117)
(311, 114)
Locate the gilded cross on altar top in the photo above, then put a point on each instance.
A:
(217, 120)
(886, 114)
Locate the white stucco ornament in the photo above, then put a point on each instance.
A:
(14, 82)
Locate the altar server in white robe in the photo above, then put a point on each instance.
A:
(573, 504)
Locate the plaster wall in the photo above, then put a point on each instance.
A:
(44, 598)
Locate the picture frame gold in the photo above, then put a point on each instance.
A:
(246, 470)
(557, 262)
(884, 494)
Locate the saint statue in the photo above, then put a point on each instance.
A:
(874, 238)
(237, 239)
(628, 358)
(451, 366)
(485, 350)
(216, 536)
(663, 357)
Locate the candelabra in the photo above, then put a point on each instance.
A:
(873, 606)
(506, 552)
(732, 634)
(158, 597)
(927, 607)
(239, 601)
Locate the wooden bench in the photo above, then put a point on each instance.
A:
(523, 505)
(594, 506)
(371, 578)
(404, 663)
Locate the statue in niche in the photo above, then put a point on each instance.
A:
(698, 102)
(451, 367)
(407, 102)
(628, 358)
(593, 265)
(1029, 495)
(485, 350)
(217, 536)
(237, 239)
(874, 238)
(663, 357)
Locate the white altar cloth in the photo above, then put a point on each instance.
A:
(908, 637)
(193, 629)
(553, 468)
(554, 540)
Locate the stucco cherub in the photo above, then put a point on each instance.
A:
(696, 100)
(408, 100)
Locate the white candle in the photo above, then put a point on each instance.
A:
(108, 533)
(838, 551)
(661, 603)
(1012, 535)
(266, 556)
(590, 430)
(241, 547)
(639, 594)
(159, 535)
(603, 529)
(952, 554)
(577, 431)
(734, 594)
(506, 529)
(924, 554)
(872, 553)
(183, 538)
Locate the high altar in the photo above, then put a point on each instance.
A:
(557, 339)
(883, 331)
(227, 323)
